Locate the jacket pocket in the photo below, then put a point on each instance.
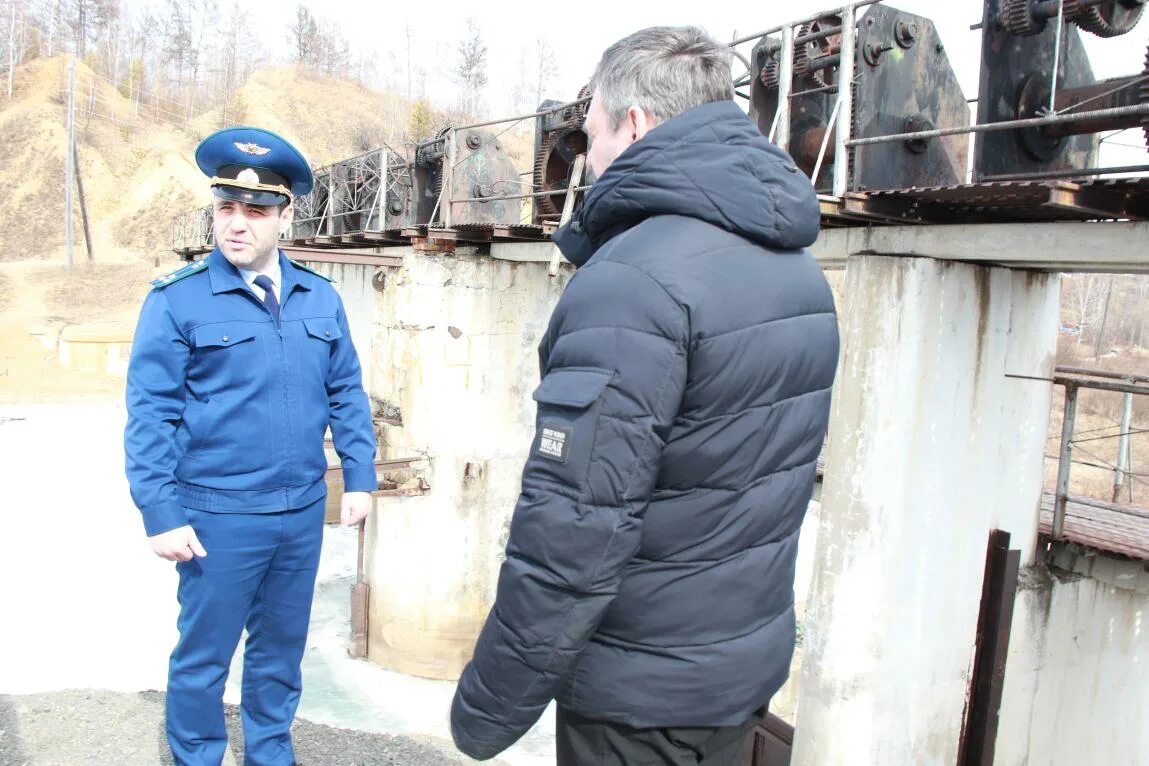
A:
(569, 399)
(223, 334)
(323, 328)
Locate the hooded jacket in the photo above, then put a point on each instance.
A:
(684, 397)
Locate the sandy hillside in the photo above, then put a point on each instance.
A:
(137, 175)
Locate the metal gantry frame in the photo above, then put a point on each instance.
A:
(842, 117)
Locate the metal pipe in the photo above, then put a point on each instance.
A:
(1123, 449)
(785, 85)
(1072, 173)
(1033, 122)
(520, 118)
(846, 94)
(448, 172)
(1064, 461)
(1102, 374)
(826, 139)
(1123, 96)
(1098, 385)
(519, 196)
(821, 34)
(1126, 82)
(1056, 56)
(1047, 9)
(826, 62)
(812, 91)
(844, 10)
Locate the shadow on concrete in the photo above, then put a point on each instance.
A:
(11, 743)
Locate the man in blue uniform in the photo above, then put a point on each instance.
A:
(240, 363)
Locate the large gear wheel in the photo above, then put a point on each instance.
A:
(1145, 98)
(802, 54)
(578, 115)
(1112, 18)
(1018, 19)
(553, 168)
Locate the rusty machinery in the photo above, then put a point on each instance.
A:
(1022, 43)
(559, 138)
(367, 193)
(477, 176)
(903, 82)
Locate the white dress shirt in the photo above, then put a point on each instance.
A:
(272, 272)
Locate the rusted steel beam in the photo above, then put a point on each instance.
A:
(999, 589)
(359, 258)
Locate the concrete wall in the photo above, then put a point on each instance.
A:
(937, 436)
(1077, 676)
(97, 347)
(454, 363)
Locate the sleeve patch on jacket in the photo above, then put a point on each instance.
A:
(554, 442)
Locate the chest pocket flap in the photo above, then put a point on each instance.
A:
(576, 387)
(223, 334)
(323, 328)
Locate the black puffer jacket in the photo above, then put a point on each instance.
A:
(685, 391)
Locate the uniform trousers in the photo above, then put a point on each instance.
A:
(259, 574)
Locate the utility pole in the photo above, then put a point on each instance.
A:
(11, 49)
(1104, 320)
(71, 157)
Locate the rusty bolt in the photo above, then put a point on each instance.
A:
(907, 33)
(873, 52)
(474, 141)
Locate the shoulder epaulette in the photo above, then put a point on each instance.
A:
(192, 268)
(299, 265)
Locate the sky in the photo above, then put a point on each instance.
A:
(577, 33)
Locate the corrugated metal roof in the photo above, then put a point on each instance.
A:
(1109, 527)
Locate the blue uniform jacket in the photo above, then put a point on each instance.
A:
(227, 412)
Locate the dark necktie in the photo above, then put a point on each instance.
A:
(269, 298)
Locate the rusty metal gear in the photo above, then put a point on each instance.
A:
(1018, 19)
(1112, 18)
(802, 54)
(769, 75)
(578, 114)
(1145, 97)
(826, 46)
(553, 168)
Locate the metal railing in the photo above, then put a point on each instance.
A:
(1074, 379)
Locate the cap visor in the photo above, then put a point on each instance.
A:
(250, 196)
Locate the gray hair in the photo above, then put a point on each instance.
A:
(664, 71)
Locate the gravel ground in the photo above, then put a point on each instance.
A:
(103, 728)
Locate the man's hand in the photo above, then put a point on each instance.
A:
(355, 507)
(179, 544)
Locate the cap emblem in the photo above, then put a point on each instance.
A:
(250, 148)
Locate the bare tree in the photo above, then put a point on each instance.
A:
(304, 35)
(470, 72)
(545, 68)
